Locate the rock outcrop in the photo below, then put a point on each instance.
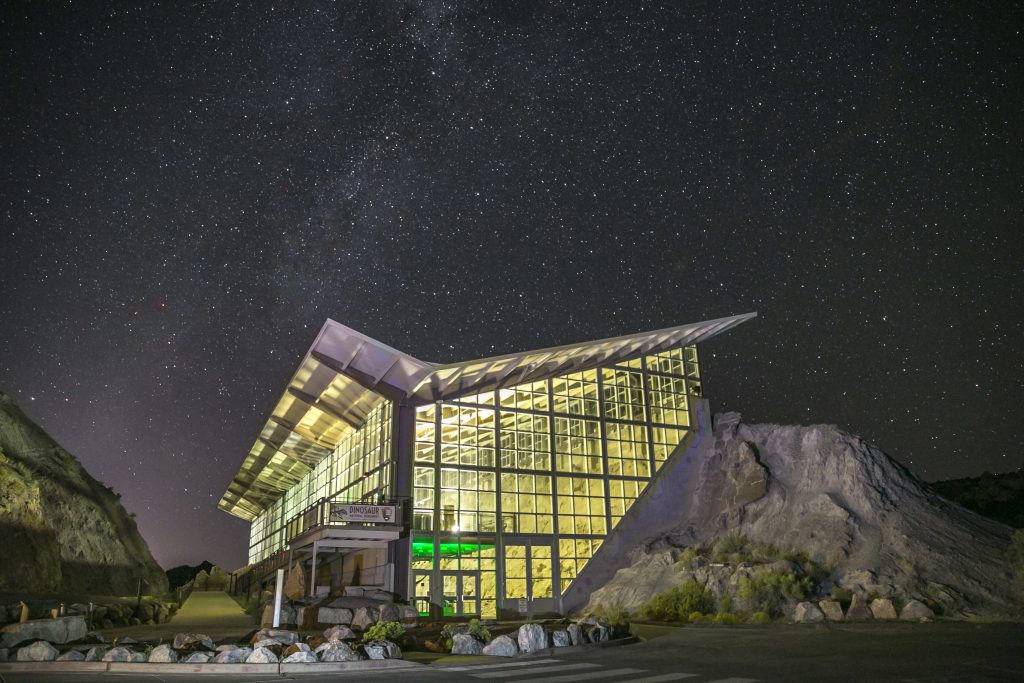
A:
(836, 499)
(61, 530)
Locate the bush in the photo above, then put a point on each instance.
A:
(760, 618)
(479, 631)
(728, 618)
(767, 591)
(613, 613)
(844, 596)
(679, 603)
(387, 630)
(687, 557)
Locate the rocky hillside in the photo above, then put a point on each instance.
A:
(997, 496)
(60, 529)
(870, 527)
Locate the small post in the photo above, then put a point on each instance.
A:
(312, 572)
(24, 612)
(278, 594)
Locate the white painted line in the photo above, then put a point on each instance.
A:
(588, 676)
(663, 677)
(536, 670)
(478, 667)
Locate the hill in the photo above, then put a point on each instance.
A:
(182, 574)
(61, 530)
(997, 496)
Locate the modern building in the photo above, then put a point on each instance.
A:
(470, 488)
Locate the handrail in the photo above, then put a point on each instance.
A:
(318, 514)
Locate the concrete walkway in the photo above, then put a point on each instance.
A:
(213, 613)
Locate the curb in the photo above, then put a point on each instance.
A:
(367, 665)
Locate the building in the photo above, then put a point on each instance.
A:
(471, 488)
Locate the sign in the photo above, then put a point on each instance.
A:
(523, 605)
(355, 512)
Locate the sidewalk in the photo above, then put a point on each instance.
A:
(213, 613)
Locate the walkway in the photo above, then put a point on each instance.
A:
(213, 613)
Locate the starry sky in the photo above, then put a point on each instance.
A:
(188, 190)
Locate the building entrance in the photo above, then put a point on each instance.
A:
(461, 592)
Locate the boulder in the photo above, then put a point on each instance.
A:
(915, 610)
(364, 618)
(339, 632)
(261, 655)
(575, 632)
(271, 644)
(382, 649)
(858, 610)
(164, 654)
(334, 615)
(117, 654)
(235, 656)
(337, 651)
(882, 609)
(95, 654)
(389, 612)
(832, 610)
(293, 648)
(302, 657)
(188, 642)
(288, 615)
(808, 613)
(60, 630)
(560, 639)
(502, 646)
(465, 644)
(198, 658)
(226, 647)
(531, 638)
(283, 636)
(407, 614)
(39, 651)
(598, 634)
(71, 656)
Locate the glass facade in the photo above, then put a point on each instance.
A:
(358, 469)
(515, 489)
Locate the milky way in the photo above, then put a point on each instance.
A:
(188, 191)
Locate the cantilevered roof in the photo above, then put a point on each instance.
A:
(345, 374)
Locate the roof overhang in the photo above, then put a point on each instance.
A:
(345, 374)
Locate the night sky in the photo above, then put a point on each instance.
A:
(188, 191)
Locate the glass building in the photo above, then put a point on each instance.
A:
(471, 488)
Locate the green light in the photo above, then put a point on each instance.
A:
(426, 549)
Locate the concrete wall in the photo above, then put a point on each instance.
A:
(656, 511)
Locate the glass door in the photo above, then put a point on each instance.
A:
(421, 592)
(461, 592)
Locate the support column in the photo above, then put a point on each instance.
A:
(312, 577)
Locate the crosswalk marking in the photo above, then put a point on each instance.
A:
(590, 675)
(663, 677)
(536, 670)
(479, 667)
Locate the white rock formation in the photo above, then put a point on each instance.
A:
(502, 646)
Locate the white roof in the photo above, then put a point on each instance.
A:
(345, 374)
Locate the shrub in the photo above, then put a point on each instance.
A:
(479, 631)
(760, 618)
(728, 618)
(687, 557)
(844, 596)
(679, 603)
(767, 591)
(731, 548)
(614, 613)
(386, 630)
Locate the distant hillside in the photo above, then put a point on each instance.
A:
(61, 531)
(179, 576)
(997, 496)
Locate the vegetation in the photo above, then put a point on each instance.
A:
(474, 628)
(679, 603)
(767, 591)
(613, 613)
(387, 630)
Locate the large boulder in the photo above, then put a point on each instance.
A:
(60, 630)
(575, 632)
(339, 632)
(832, 610)
(407, 614)
(301, 657)
(39, 651)
(502, 646)
(382, 649)
(188, 642)
(808, 613)
(531, 638)
(858, 609)
(883, 609)
(72, 656)
(164, 654)
(198, 658)
(261, 655)
(389, 612)
(95, 654)
(117, 654)
(337, 651)
(364, 618)
(334, 615)
(915, 610)
(560, 639)
(465, 644)
(235, 656)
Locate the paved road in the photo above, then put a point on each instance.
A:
(211, 612)
(904, 653)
